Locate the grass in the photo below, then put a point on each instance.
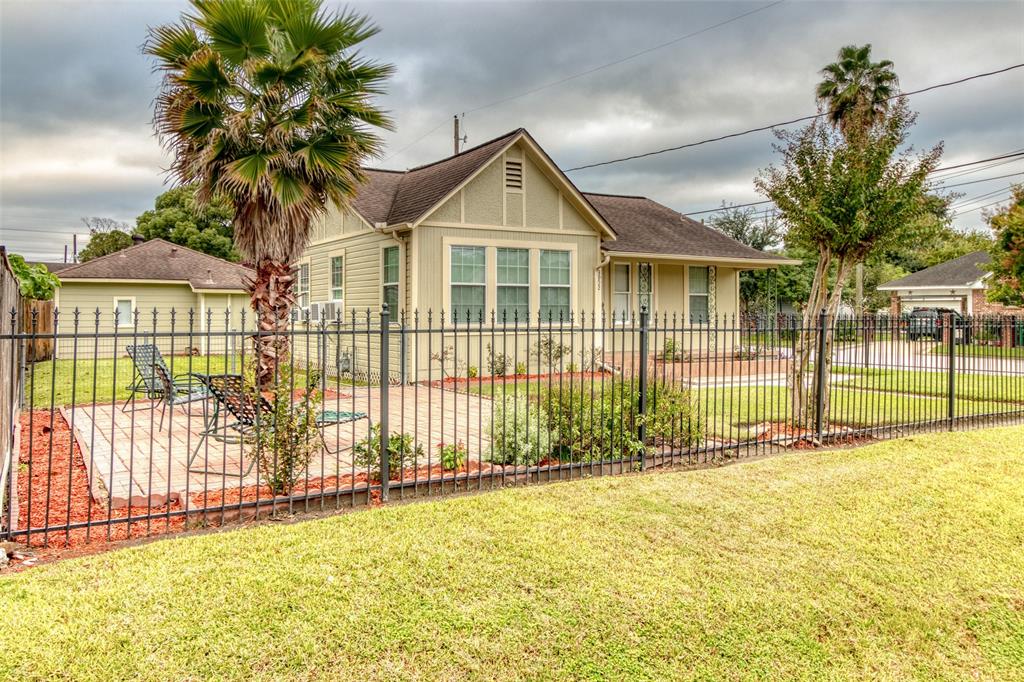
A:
(976, 351)
(1006, 387)
(899, 560)
(71, 384)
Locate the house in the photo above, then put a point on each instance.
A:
(153, 278)
(959, 284)
(499, 230)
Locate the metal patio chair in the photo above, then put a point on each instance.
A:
(153, 379)
(243, 408)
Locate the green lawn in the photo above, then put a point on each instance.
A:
(1007, 387)
(976, 351)
(70, 384)
(896, 561)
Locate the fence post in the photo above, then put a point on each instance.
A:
(385, 473)
(951, 373)
(642, 406)
(819, 378)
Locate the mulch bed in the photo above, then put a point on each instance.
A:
(58, 492)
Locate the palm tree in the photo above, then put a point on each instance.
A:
(266, 103)
(856, 91)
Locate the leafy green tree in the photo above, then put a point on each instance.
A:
(856, 91)
(104, 243)
(269, 105)
(758, 288)
(1008, 251)
(34, 281)
(844, 197)
(177, 218)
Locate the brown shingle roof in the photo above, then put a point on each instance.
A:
(959, 272)
(157, 259)
(642, 225)
(51, 266)
(645, 226)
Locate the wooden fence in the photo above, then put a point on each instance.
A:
(10, 393)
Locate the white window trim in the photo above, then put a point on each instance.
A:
(568, 286)
(497, 285)
(394, 314)
(620, 319)
(330, 276)
(299, 264)
(121, 324)
(690, 294)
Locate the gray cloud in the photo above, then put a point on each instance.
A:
(72, 69)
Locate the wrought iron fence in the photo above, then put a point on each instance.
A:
(152, 424)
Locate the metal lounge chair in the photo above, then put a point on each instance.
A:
(244, 408)
(154, 380)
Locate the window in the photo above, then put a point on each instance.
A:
(513, 285)
(513, 174)
(125, 310)
(468, 283)
(699, 294)
(621, 293)
(337, 278)
(302, 285)
(390, 281)
(554, 285)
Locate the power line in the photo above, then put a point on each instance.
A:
(961, 165)
(801, 119)
(974, 182)
(589, 71)
(978, 208)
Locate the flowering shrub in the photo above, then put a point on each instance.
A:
(520, 432)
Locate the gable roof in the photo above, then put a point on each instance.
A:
(959, 272)
(51, 266)
(404, 197)
(159, 260)
(647, 227)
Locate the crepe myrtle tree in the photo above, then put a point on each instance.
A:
(268, 104)
(843, 196)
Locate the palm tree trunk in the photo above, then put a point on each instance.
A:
(272, 300)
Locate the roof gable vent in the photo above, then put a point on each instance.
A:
(513, 174)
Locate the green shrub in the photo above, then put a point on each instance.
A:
(520, 432)
(592, 424)
(498, 364)
(402, 452)
(549, 351)
(283, 452)
(452, 456)
(520, 368)
(671, 418)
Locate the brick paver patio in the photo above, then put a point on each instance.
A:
(128, 456)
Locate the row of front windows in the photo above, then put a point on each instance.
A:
(513, 279)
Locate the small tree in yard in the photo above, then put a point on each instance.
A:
(1008, 251)
(267, 105)
(843, 196)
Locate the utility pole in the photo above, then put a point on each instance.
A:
(74, 248)
(458, 139)
(65, 253)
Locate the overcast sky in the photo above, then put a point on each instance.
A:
(76, 93)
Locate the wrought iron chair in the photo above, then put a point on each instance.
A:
(246, 408)
(153, 379)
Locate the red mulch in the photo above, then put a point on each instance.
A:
(61, 475)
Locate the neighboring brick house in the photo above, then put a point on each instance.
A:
(959, 284)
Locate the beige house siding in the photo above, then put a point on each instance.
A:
(88, 297)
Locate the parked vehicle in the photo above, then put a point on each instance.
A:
(927, 323)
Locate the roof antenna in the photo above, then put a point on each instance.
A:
(458, 140)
